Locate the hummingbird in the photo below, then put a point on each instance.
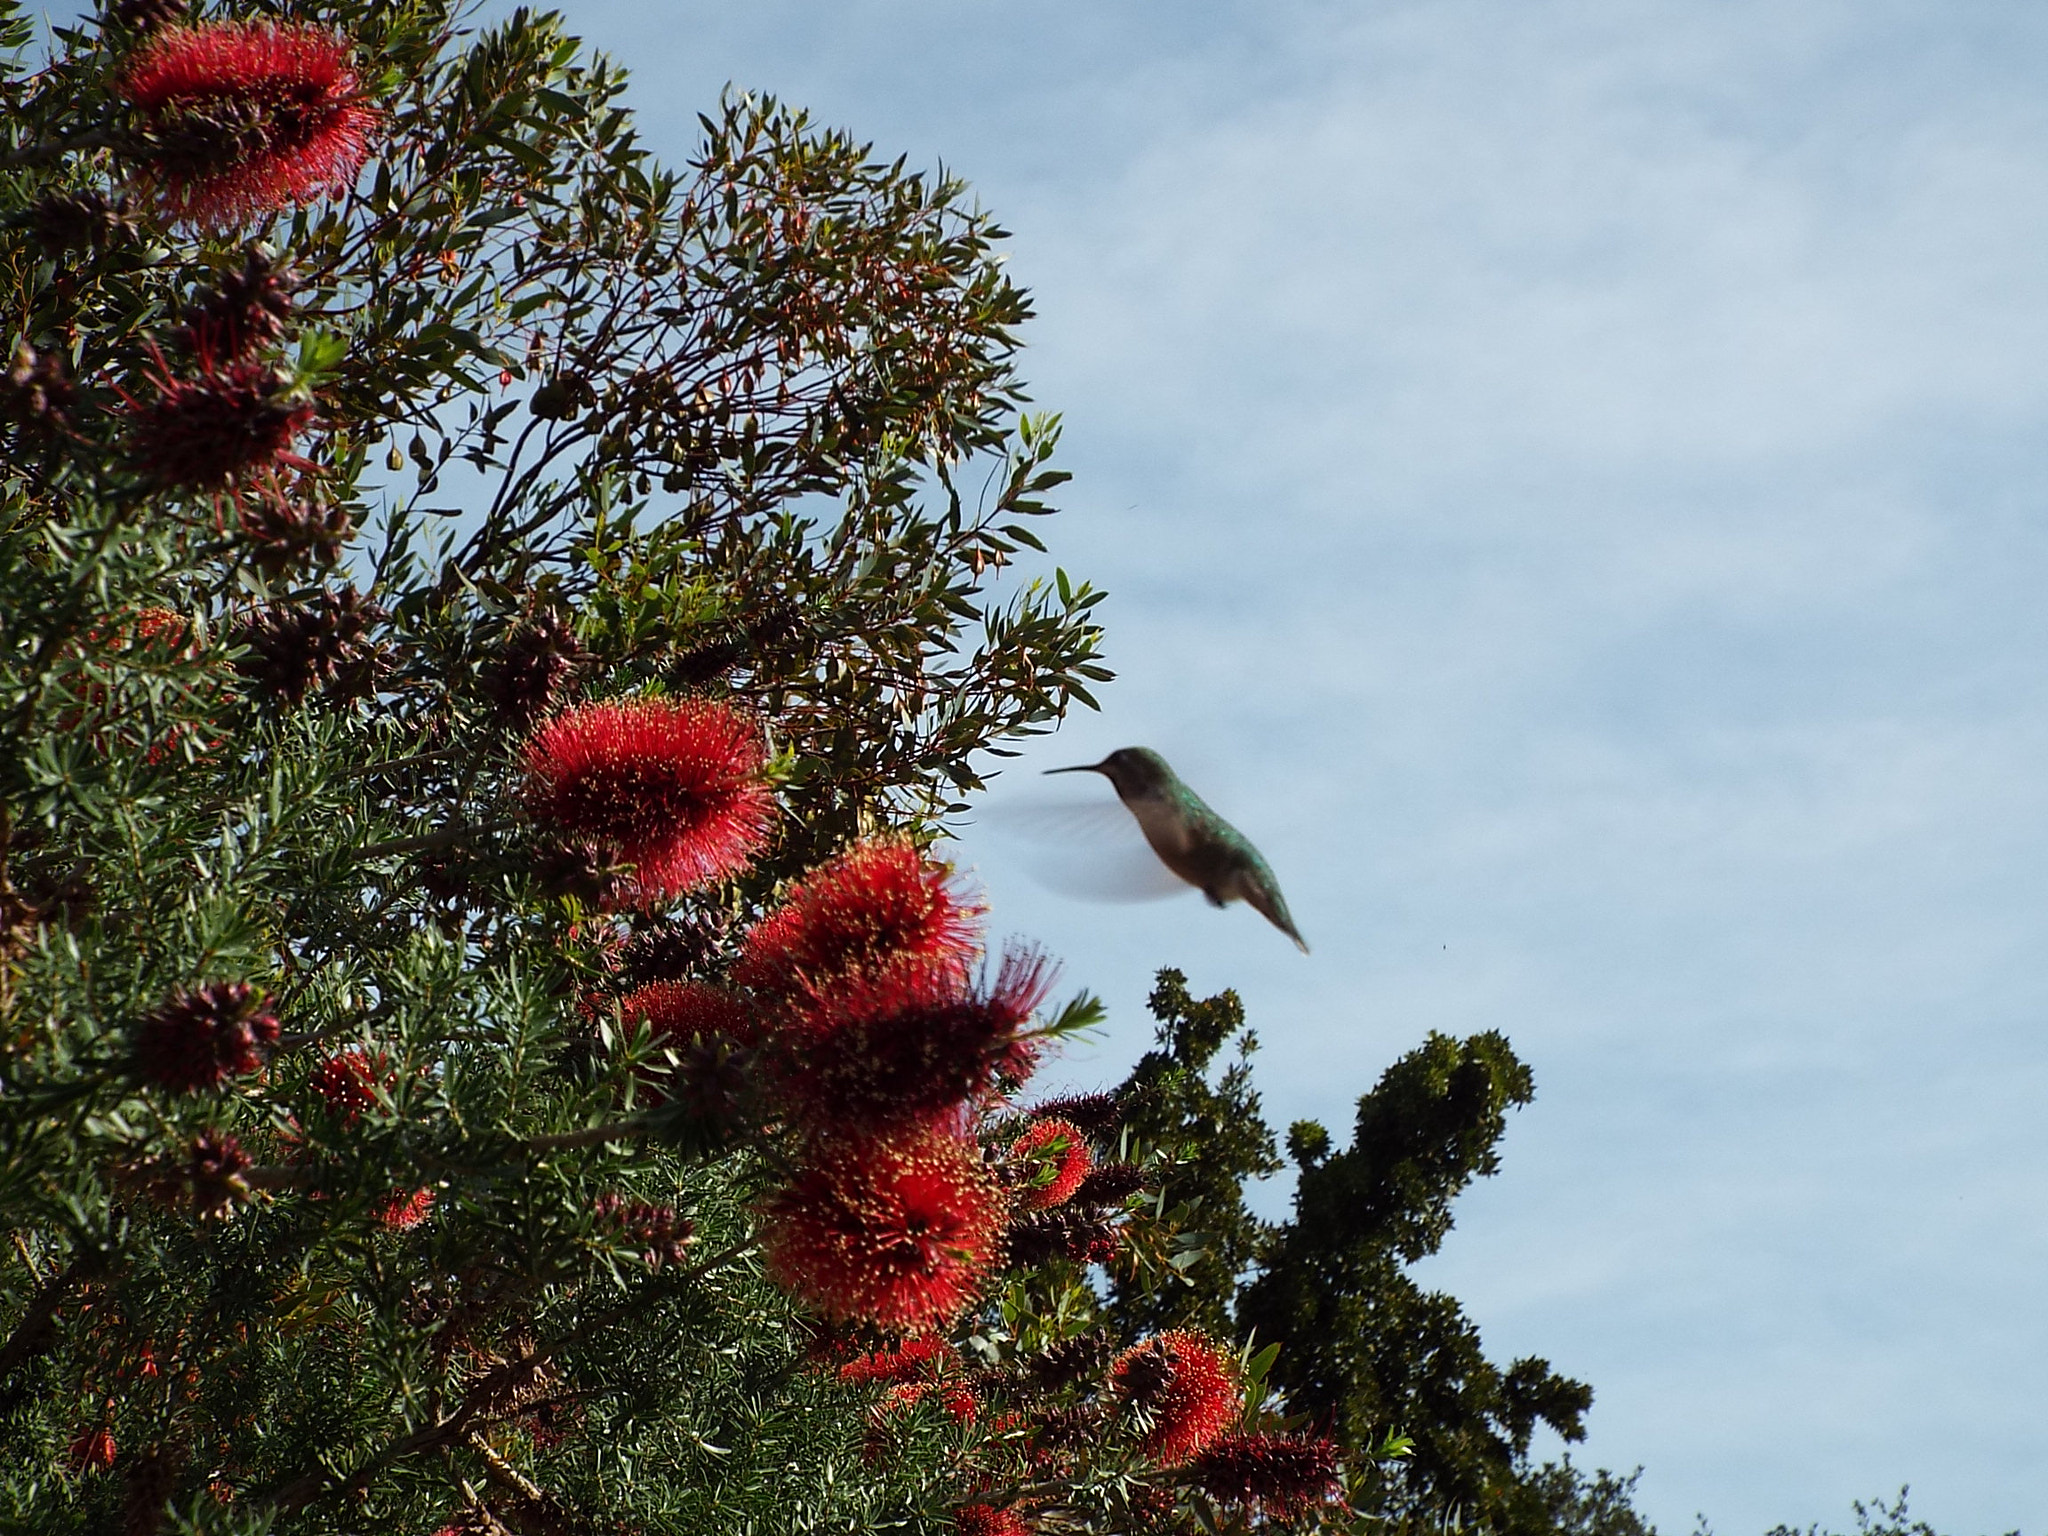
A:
(1191, 840)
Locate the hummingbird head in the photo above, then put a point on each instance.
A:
(1135, 771)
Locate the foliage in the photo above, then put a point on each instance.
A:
(1875, 1518)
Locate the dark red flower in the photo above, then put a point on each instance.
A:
(200, 1037)
(672, 787)
(1280, 1476)
(911, 1041)
(215, 1169)
(1060, 1160)
(896, 1231)
(405, 1209)
(1096, 1113)
(92, 1450)
(239, 118)
(1182, 1390)
(245, 313)
(663, 1233)
(875, 903)
(348, 1083)
(987, 1520)
(207, 432)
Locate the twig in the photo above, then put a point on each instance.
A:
(34, 154)
(441, 839)
(589, 1136)
(27, 1340)
(503, 1471)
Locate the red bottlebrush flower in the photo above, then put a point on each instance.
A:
(956, 1400)
(1182, 1390)
(405, 1209)
(711, 1032)
(1280, 1476)
(348, 1082)
(911, 1042)
(678, 1011)
(919, 1359)
(874, 903)
(207, 432)
(672, 787)
(146, 637)
(92, 1450)
(1059, 1161)
(201, 1037)
(241, 118)
(895, 1231)
(987, 1520)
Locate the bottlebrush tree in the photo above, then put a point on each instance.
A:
(491, 627)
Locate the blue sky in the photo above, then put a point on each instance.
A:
(1570, 478)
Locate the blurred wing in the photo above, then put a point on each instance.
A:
(1092, 850)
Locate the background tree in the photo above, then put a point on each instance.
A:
(1358, 1348)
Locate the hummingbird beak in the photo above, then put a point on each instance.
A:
(1083, 768)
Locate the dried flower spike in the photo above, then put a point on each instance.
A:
(80, 220)
(239, 118)
(293, 647)
(1280, 1476)
(895, 1231)
(215, 1169)
(538, 658)
(201, 1037)
(244, 314)
(672, 787)
(35, 391)
(282, 532)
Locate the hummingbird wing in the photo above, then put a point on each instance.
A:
(1093, 850)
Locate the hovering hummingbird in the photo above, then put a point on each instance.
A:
(1191, 840)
